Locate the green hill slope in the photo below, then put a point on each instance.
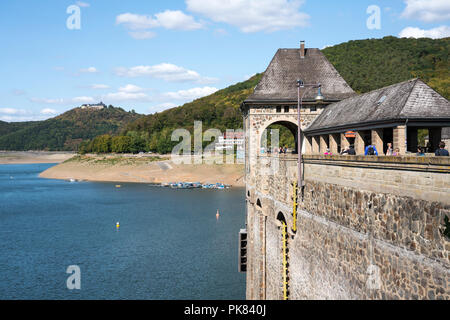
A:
(375, 63)
(64, 132)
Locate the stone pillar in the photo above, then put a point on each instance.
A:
(308, 145)
(323, 144)
(400, 139)
(377, 140)
(359, 143)
(344, 142)
(315, 145)
(333, 138)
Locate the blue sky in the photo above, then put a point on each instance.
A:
(152, 55)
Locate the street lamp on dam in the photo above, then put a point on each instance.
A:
(319, 98)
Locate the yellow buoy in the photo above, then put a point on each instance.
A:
(117, 225)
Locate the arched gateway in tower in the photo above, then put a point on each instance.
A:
(275, 99)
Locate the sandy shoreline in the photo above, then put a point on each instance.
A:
(144, 170)
(30, 157)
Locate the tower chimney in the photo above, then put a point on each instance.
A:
(302, 49)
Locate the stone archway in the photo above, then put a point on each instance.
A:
(287, 123)
(258, 203)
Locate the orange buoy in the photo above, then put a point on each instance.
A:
(217, 214)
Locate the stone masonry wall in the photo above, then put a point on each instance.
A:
(368, 228)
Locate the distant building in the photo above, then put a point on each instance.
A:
(97, 106)
(230, 139)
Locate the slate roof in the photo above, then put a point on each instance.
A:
(412, 99)
(279, 82)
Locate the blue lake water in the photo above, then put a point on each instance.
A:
(169, 244)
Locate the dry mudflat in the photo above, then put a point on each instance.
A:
(29, 157)
(144, 169)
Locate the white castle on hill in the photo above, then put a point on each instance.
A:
(97, 106)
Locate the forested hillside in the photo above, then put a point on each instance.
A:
(64, 132)
(375, 63)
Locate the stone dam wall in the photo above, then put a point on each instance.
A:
(367, 228)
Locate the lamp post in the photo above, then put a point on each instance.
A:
(301, 84)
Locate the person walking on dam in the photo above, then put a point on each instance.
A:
(441, 152)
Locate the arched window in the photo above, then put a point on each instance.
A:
(281, 218)
(279, 134)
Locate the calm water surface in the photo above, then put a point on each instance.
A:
(169, 245)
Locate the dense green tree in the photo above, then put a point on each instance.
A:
(102, 144)
(121, 144)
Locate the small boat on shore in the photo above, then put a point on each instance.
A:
(196, 185)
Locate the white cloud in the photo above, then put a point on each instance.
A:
(29, 116)
(131, 88)
(89, 70)
(135, 94)
(190, 94)
(99, 86)
(16, 115)
(142, 35)
(126, 96)
(177, 20)
(129, 92)
(166, 71)
(47, 101)
(435, 33)
(136, 21)
(83, 100)
(9, 118)
(83, 4)
(12, 111)
(49, 111)
(427, 10)
(252, 15)
(169, 19)
(61, 101)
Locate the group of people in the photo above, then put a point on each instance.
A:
(279, 150)
(371, 150)
(391, 151)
